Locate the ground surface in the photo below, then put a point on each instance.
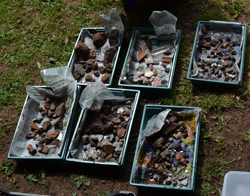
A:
(40, 34)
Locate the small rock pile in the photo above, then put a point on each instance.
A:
(217, 61)
(92, 66)
(168, 156)
(42, 128)
(105, 142)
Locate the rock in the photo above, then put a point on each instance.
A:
(167, 128)
(47, 105)
(178, 156)
(159, 170)
(109, 126)
(92, 54)
(56, 123)
(115, 108)
(114, 36)
(159, 141)
(96, 73)
(141, 55)
(230, 70)
(46, 125)
(51, 114)
(47, 140)
(165, 153)
(105, 78)
(99, 39)
(166, 59)
(85, 139)
(44, 149)
(91, 67)
(93, 144)
(184, 182)
(88, 78)
(108, 147)
(41, 131)
(103, 118)
(125, 113)
(109, 55)
(79, 70)
(102, 69)
(52, 107)
(34, 127)
(31, 150)
(99, 145)
(97, 129)
(155, 72)
(60, 110)
(85, 148)
(207, 45)
(185, 155)
(177, 146)
(30, 136)
(185, 135)
(170, 140)
(121, 132)
(109, 157)
(38, 120)
(116, 120)
(82, 49)
(168, 181)
(95, 155)
(149, 44)
(168, 165)
(77, 77)
(90, 61)
(116, 157)
(174, 119)
(148, 74)
(55, 142)
(54, 135)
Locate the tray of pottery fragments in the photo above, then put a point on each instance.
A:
(167, 148)
(43, 128)
(150, 62)
(218, 53)
(101, 137)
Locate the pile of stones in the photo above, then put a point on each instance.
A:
(217, 61)
(105, 142)
(91, 65)
(169, 155)
(41, 129)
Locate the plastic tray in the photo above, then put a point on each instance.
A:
(148, 112)
(62, 156)
(144, 31)
(117, 92)
(73, 55)
(234, 26)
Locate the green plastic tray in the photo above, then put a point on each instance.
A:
(118, 92)
(73, 56)
(145, 31)
(149, 111)
(63, 154)
(230, 26)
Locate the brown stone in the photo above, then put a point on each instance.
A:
(102, 69)
(31, 135)
(45, 149)
(60, 110)
(34, 127)
(151, 182)
(159, 141)
(178, 156)
(167, 128)
(140, 74)
(90, 61)
(168, 165)
(109, 55)
(82, 49)
(38, 120)
(77, 77)
(155, 72)
(177, 146)
(96, 73)
(54, 135)
(185, 155)
(116, 157)
(56, 123)
(46, 125)
(165, 153)
(85, 139)
(207, 45)
(99, 39)
(103, 118)
(52, 107)
(89, 68)
(51, 114)
(166, 59)
(109, 126)
(149, 44)
(108, 157)
(125, 113)
(141, 55)
(55, 142)
(121, 132)
(88, 78)
(97, 129)
(108, 147)
(105, 78)
(92, 53)
(31, 150)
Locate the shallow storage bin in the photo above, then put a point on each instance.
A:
(151, 31)
(64, 142)
(74, 57)
(230, 65)
(117, 92)
(148, 113)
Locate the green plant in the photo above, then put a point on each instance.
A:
(224, 124)
(207, 189)
(79, 180)
(74, 194)
(6, 167)
(45, 183)
(235, 7)
(30, 177)
(108, 192)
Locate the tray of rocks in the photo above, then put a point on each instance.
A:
(43, 128)
(150, 62)
(218, 53)
(101, 137)
(167, 148)
(95, 55)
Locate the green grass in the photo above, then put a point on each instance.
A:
(80, 180)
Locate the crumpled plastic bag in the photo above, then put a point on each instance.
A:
(164, 24)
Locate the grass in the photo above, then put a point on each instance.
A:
(35, 35)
